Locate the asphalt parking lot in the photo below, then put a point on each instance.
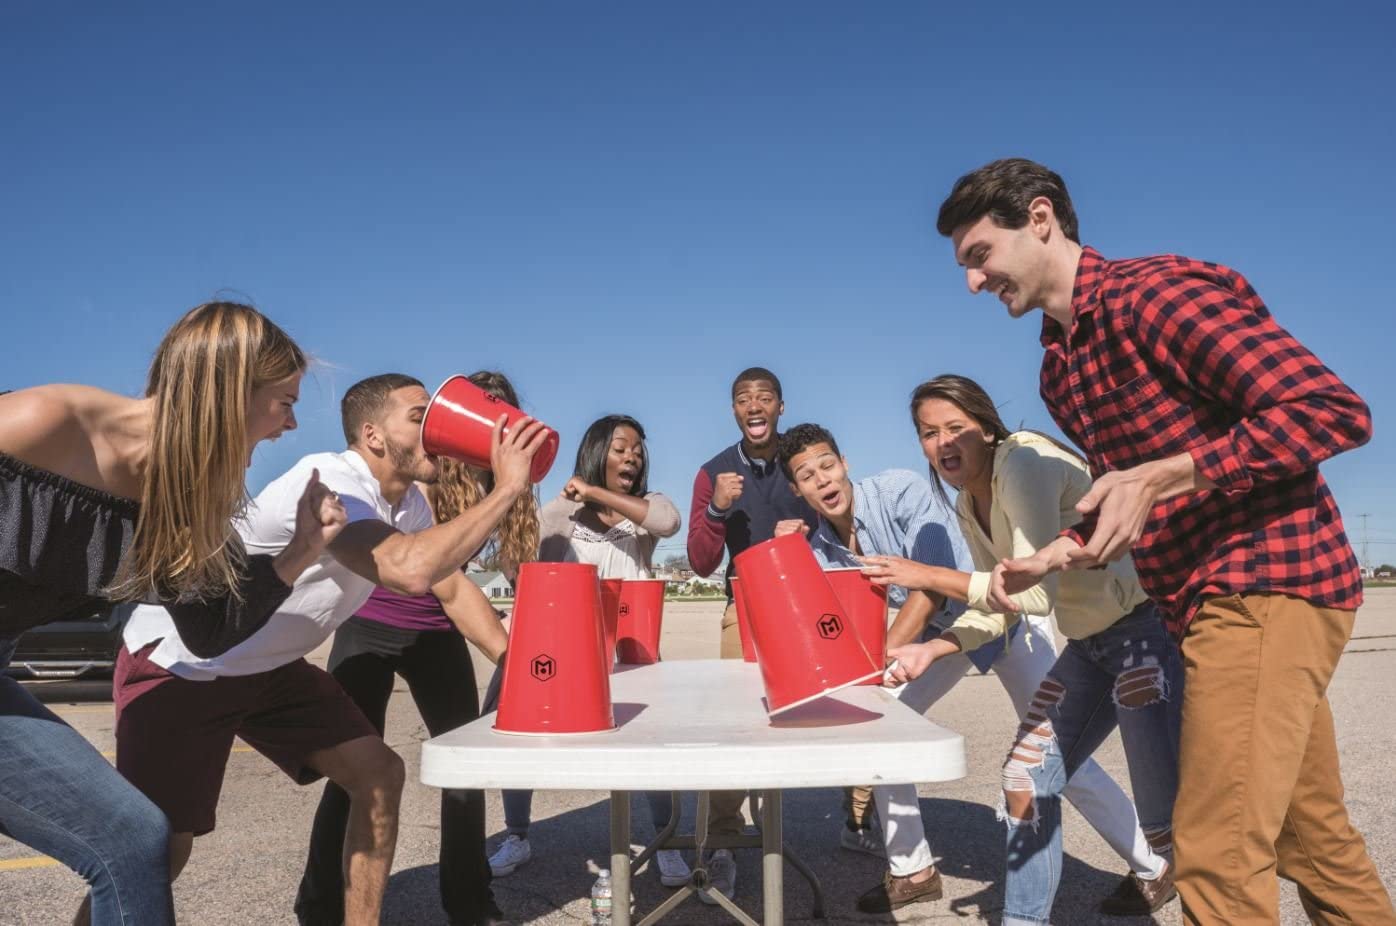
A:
(247, 870)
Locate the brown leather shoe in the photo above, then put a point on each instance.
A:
(895, 892)
(1136, 897)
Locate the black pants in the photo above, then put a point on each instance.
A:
(436, 666)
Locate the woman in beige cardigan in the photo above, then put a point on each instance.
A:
(1017, 494)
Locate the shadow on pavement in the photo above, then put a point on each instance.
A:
(570, 847)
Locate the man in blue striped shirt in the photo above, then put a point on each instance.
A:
(894, 513)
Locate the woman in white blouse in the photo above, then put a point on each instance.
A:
(607, 517)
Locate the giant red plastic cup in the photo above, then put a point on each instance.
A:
(556, 677)
(459, 422)
(866, 606)
(805, 643)
(641, 615)
(610, 616)
(743, 622)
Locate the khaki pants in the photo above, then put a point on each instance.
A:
(1259, 791)
(725, 807)
(857, 806)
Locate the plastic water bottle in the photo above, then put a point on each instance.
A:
(601, 899)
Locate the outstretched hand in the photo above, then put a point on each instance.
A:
(897, 570)
(1012, 576)
(905, 663)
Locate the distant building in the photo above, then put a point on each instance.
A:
(493, 584)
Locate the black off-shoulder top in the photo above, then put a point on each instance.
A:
(61, 543)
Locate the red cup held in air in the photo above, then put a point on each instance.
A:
(556, 676)
(743, 621)
(641, 616)
(866, 607)
(459, 422)
(805, 643)
(610, 616)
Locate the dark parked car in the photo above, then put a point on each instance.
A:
(82, 648)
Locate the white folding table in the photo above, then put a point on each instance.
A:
(701, 725)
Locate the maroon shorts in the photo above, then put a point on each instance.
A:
(174, 736)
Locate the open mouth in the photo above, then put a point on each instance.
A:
(1005, 291)
(757, 427)
(626, 477)
(829, 500)
(950, 463)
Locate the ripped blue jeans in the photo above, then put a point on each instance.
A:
(1128, 675)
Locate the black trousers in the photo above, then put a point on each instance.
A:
(436, 666)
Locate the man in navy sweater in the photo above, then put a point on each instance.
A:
(739, 496)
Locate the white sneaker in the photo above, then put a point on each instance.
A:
(722, 872)
(512, 853)
(864, 839)
(673, 870)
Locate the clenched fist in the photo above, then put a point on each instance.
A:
(727, 490)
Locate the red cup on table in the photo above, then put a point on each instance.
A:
(805, 643)
(641, 617)
(866, 606)
(556, 677)
(610, 616)
(743, 621)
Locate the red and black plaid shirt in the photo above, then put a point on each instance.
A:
(1168, 355)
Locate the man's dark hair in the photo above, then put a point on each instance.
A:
(596, 446)
(365, 399)
(799, 439)
(1003, 191)
(756, 375)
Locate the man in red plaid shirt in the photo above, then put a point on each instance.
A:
(1205, 422)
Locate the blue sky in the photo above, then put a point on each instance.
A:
(621, 205)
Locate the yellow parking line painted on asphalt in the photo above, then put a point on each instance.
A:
(111, 753)
(43, 861)
(37, 861)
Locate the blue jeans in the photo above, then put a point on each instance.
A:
(59, 796)
(1129, 675)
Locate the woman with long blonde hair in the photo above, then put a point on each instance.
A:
(412, 636)
(104, 497)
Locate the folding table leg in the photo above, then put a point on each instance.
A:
(620, 858)
(772, 860)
